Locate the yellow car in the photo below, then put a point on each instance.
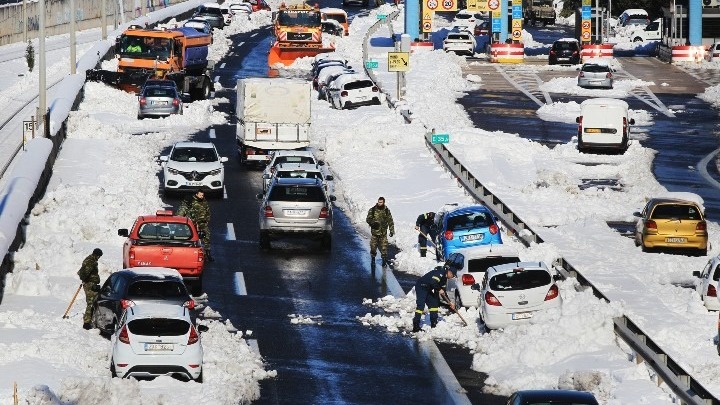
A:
(671, 223)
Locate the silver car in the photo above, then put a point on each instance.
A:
(296, 207)
(595, 75)
(157, 101)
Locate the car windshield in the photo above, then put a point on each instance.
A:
(521, 280)
(299, 18)
(145, 47)
(209, 11)
(190, 154)
(667, 211)
(158, 327)
(293, 159)
(469, 220)
(595, 68)
(462, 16)
(463, 37)
(298, 174)
(165, 230)
(482, 264)
(157, 91)
(157, 289)
(359, 84)
(337, 17)
(296, 194)
(565, 45)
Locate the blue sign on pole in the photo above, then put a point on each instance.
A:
(516, 14)
(496, 22)
(586, 16)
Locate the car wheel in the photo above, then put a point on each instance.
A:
(264, 240)
(113, 373)
(200, 378)
(139, 117)
(644, 248)
(637, 39)
(702, 252)
(458, 301)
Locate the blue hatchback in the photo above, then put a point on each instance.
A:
(465, 227)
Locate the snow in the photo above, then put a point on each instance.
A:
(96, 190)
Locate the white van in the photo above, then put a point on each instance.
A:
(603, 125)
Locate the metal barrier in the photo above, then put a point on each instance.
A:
(370, 32)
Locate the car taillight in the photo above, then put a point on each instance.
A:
(268, 212)
(176, 102)
(374, 89)
(575, 53)
(249, 151)
(142, 101)
(701, 226)
(193, 338)
(124, 337)
(126, 303)
(343, 94)
(201, 257)
(448, 235)
(609, 75)
(552, 52)
(323, 212)
(579, 120)
(712, 292)
(490, 299)
(494, 229)
(189, 304)
(552, 293)
(131, 254)
(582, 74)
(650, 224)
(468, 279)
(624, 124)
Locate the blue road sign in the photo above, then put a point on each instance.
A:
(496, 23)
(371, 64)
(440, 138)
(517, 14)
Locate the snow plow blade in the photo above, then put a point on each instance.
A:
(286, 55)
(130, 82)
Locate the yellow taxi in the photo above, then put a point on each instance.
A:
(672, 223)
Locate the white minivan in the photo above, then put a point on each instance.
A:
(603, 124)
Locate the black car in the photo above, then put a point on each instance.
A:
(565, 52)
(212, 14)
(147, 284)
(545, 397)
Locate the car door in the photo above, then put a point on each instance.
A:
(640, 224)
(104, 305)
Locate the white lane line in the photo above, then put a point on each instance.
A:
(240, 284)
(253, 35)
(217, 78)
(212, 94)
(211, 133)
(222, 66)
(254, 346)
(454, 390)
(519, 86)
(231, 53)
(241, 43)
(702, 167)
(230, 231)
(249, 242)
(224, 193)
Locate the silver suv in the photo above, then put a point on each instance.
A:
(296, 207)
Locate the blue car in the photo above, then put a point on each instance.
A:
(465, 227)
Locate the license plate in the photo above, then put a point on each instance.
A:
(158, 347)
(158, 102)
(592, 130)
(296, 213)
(595, 81)
(675, 240)
(472, 238)
(194, 183)
(522, 315)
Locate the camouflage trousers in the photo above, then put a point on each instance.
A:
(380, 241)
(90, 298)
(206, 237)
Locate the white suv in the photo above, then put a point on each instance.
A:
(157, 339)
(288, 156)
(192, 166)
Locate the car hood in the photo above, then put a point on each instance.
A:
(196, 166)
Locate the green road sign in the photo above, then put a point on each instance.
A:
(381, 16)
(440, 138)
(371, 64)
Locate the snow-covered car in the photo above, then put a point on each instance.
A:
(595, 75)
(323, 64)
(299, 171)
(332, 27)
(633, 16)
(466, 19)
(476, 260)
(241, 8)
(352, 90)
(513, 293)
(199, 24)
(192, 166)
(338, 15)
(707, 283)
(713, 54)
(327, 75)
(289, 156)
(155, 339)
(225, 10)
(462, 42)
(212, 13)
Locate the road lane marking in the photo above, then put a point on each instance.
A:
(224, 193)
(253, 346)
(454, 390)
(222, 66)
(702, 167)
(240, 284)
(211, 133)
(241, 43)
(217, 78)
(253, 35)
(230, 231)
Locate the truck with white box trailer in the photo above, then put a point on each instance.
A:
(272, 114)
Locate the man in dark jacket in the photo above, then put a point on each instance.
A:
(425, 224)
(427, 291)
(90, 279)
(380, 220)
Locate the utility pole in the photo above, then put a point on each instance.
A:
(42, 103)
(103, 18)
(73, 61)
(24, 21)
(143, 9)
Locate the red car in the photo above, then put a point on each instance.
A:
(482, 27)
(258, 5)
(166, 240)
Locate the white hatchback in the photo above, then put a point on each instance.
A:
(462, 42)
(192, 166)
(476, 261)
(352, 90)
(465, 19)
(513, 293)
(707, 283)
(157, 339)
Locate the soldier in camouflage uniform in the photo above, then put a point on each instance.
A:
(380, 220)
(91, 283)
(197, 209)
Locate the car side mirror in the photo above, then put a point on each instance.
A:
(202, 328)
(558, 277)
(164, 158)
(696, 274)
(329, 177)
(632, 121)
(266, 176)
(105, 290)
(577, 119)
(321, 162)
(223, 159)
(259, 196)
(123, 232)
(637, 214)
(333, 198)
(475, 287)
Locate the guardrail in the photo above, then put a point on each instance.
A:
(687, 389)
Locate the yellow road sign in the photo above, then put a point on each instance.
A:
(478, 5)
(427, 26)
(448, 5)
(398, 61)
(517, 23)
(516, 35)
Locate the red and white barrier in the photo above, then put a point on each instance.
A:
(687, 53)
(593, 52)
(507, 53)
(417, 47)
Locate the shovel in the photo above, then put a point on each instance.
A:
(428, 238)
(447, 301)
(72, 301)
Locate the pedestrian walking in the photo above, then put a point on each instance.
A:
(425, 224)
(427, 291)
(197, 209)
(90, 279)
(380, 220)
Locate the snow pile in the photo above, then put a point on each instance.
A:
(297, 319)
(712, 96)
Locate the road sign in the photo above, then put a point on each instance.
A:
(398, 61)
(449, 5)
(381, 16)
(586, 25)
(427, 26)
(440, 138)
(516, 35)
(492, 4)
(586, 36)
(431, 4)
(586, 3)
(516, 14)
(496, 24)
(371, 64)
(477, 5)
(517, 23)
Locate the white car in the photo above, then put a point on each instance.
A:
(288, 156)
(475, 262)
(465, 19)
(199, 24)
(707, 283)
(300, 170)
(241, 8)
(225, 10)
(192, 166)
(156, 339)
(513, 293)
(713, 54)
(352, 90)
(462, 42)
(327, 75)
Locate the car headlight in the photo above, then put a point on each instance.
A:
(172, 171)
(215, 172)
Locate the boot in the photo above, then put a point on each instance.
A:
(384, 261)
(433, 320)
(416, 325)
(423, 253)
(87, 326)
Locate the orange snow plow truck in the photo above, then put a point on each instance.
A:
(178, 54)
(298, 33)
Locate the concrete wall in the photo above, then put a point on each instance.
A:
(57, 16)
